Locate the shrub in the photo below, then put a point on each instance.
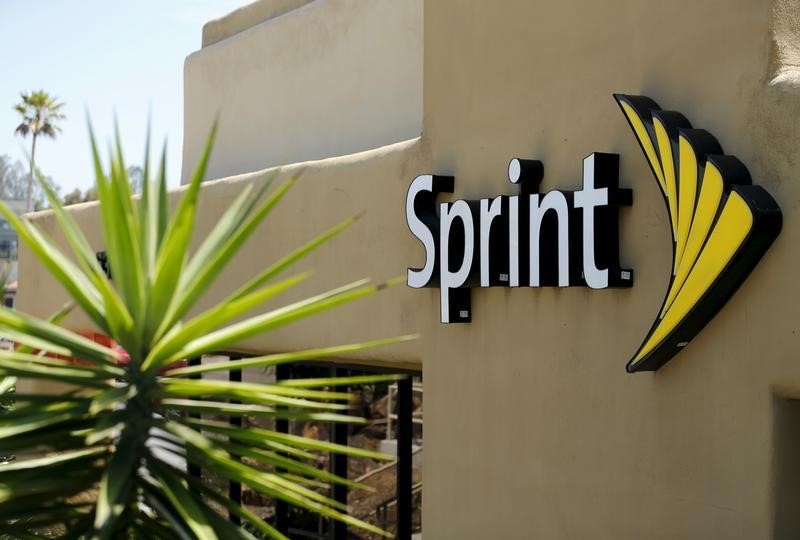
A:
(109, 454)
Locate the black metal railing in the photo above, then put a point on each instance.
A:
(406, 493)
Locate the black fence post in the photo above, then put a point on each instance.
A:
(192, 468)
(282, 372)
(338, 464)
(235, 488)
(405, 411)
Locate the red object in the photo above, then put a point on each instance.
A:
(126, 359)
(106, 341)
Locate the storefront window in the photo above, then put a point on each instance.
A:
(394, 426)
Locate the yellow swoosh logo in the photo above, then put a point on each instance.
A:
(721, 224)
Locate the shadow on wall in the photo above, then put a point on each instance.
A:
(786, 468)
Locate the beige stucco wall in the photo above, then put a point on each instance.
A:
(328, 78)
(328, 192)
(246, 17)
(532, 427)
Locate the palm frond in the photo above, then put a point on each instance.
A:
(118, 428)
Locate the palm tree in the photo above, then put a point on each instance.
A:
(40, 111)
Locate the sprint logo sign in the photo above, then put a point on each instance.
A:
(721, 227)
(722, 224)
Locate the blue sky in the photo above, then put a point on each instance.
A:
(102, 57)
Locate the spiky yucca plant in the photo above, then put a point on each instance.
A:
(105, 460)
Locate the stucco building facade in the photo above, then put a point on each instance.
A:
(533, 427)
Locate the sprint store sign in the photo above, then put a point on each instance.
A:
(721, 223)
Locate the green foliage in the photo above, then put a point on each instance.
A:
(75, 196)
(100, 460)
(39, 111)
